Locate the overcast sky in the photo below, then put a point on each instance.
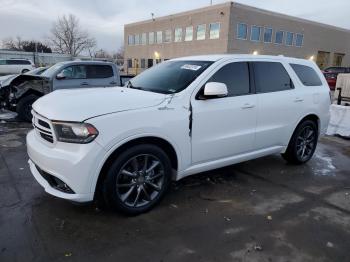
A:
(104, 19)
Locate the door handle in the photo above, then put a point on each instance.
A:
(247, 106)
(84, 84)
(298, 99)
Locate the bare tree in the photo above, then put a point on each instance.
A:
(67, 37)
(13, 44)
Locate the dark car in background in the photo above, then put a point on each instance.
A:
(331, 74)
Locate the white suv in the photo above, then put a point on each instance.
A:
(15, 66)
(181, 117)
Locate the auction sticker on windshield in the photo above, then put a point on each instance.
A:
(191, 67)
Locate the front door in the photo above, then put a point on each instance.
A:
(74, 77)
(225, 127)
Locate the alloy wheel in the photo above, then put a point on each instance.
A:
(140, 180)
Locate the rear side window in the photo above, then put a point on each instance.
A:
(271, 77)
(99, 71)
(307, 75)
(236, 78)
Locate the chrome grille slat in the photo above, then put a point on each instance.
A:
(43, 127)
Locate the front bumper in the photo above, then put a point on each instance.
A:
(74, 164)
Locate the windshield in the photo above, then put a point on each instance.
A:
(169, 77)
(36, 71)
(49, 72)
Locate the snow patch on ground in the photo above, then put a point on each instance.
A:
(6, 115)
(324, 165)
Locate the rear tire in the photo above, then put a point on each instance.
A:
(24, 107)
(303, 143)
(137, 180)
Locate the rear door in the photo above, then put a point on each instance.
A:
(101, 76)
(279, 106)
(75, 76)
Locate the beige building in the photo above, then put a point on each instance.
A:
(233, 28)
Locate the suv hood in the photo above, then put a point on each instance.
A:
(84, 103)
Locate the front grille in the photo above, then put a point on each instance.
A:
(43, 128)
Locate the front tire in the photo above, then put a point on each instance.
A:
(137, 180)
(24, 107)
(303, 143)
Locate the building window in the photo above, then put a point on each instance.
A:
(279, 37)
(149, 63)
(159, 37)
(143, 63)
(151, 38)
(129, 63)
(167, 36)
(137, 39)
(158, 61)
(178, 34)
(299, 41)
(143, 39)
(242, 31)
(255, 33)
(214, 31)
(189, 33)
(201, 32)
(289, 38)
(268, 35)
(131, 40)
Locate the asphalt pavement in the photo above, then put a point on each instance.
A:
(260, 210)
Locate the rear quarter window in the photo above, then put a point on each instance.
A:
(307, 75)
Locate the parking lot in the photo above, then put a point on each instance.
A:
(261, 210)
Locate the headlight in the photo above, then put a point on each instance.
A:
(78, 133)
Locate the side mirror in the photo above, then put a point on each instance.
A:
(60, 76)
(215, 90)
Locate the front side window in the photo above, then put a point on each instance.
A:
(214, 31)
(236, 78)
(2, 62)
(242, 31)
(99, 71)
(201, 32)
(279, 37)
(159, 37)
(167, 36)
(268, 35)
(299, 41)
(178, 35)
(189, 33)
(256, 33)
(271, 77)
(169, 77)
(74, 72)
(289, 38)
(143, 39)
(306, 75)
(151, 38)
